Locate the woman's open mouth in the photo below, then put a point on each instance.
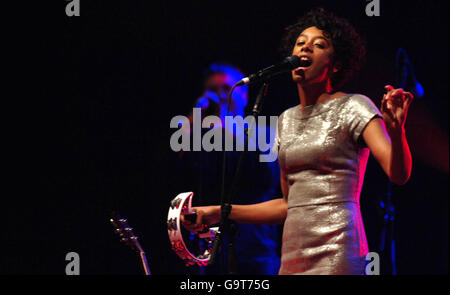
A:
(305, 62)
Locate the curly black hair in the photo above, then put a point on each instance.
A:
(349, 46)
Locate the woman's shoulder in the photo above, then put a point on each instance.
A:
(340, 101)
(358, 98)
(361, 101)
(354, 98)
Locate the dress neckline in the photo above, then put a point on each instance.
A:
(317, 108)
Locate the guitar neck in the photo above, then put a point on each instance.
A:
(127, 236)
(143, 258)
(144, 263)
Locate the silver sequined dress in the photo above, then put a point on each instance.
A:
(320, 151)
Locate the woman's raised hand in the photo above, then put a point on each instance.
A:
(394, 108)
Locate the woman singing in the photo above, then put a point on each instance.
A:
(323, 145)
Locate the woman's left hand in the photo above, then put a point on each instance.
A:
(394, 107)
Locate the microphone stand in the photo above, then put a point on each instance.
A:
(227, 225)
(387, 243)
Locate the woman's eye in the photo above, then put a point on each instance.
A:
(319, 45)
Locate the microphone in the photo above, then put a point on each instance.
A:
(288, 64)
(405, 74)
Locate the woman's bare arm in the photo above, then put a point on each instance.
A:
(269, 212)
(264, 213)
(386, 138)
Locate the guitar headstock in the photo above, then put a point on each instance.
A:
(125, 232)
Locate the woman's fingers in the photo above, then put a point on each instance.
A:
(398, 97)
(199, 220)
(197, 225)
(390, 115)
(390, 101)
(206, 216)
(387, 103)
(388, 87)
(187, 224)
(387, 109)
(408, 98)
(394, 106)
(383, 104)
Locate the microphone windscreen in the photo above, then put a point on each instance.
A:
(293, 61)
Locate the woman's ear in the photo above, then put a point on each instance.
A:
(337, 66)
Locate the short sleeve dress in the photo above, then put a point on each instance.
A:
(324, 160)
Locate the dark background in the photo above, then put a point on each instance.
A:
(93, 97)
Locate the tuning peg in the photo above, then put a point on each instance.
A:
(113, 222)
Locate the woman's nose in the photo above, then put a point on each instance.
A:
(306, 47)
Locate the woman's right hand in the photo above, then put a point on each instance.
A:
(206, 215)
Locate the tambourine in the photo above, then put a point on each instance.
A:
(182, 205)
